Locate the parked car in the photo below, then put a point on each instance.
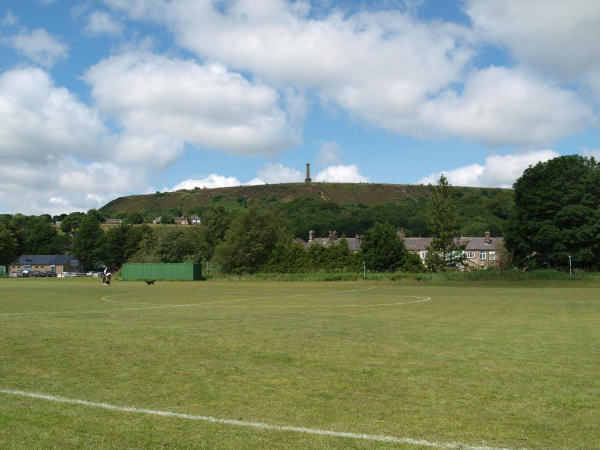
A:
(89, 274)
(13, 275)
(35, 273)
(63, 275)
(50, 274)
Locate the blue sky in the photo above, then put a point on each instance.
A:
(102, 98)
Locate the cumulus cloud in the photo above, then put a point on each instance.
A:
(595, 153)
(211, 181)
(39, 46)
(330, 153)
(554, 35)
(53, 150)
(99, 22)
(64, 185)
(386, 68)
(205, 105)
(498, 171)
(40, 120)
(499, 101)
(341, 174)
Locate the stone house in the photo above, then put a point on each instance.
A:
(481, 252)
(114, 221)
(333, 239)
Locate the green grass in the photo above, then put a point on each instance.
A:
(511, 364)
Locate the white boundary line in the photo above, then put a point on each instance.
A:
(260, 425)
(92, 311)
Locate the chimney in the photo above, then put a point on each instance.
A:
(330, 237)
(307, 180)
(488, 239)
(311, 235)
(357, 238)
(401, 234)
(335, 236)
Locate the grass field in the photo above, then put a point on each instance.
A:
(477, 365)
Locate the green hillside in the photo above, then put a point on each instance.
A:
(348, 208)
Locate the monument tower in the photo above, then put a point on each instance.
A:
(307, 180)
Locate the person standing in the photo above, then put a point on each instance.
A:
(105, 275)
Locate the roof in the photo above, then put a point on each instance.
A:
(473, 243)
(45, 260)
(353, 243)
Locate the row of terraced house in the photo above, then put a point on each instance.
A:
(480, 252)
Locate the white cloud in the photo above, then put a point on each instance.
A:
(39, 46)
(64, 185)
(595, 153)
(9, 19)
(54, 151)
(341, 174)
(556, 35)
(498, 171)
(40, 121)
(211, 181)
(500, 105)
(330, 153)
(274, 173)
(206, 105)
(100, 22)
(386, 68)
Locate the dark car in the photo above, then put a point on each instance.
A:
(49, 274)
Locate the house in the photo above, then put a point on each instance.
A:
(481, 252)
(46, 263)
(180, 220)
(157, 220)
(194, 220)
(114, 221)
(333, 239)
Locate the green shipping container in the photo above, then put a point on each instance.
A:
(185, 272)
(3, 272)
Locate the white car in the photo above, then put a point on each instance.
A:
(63, 275)
(89, 274)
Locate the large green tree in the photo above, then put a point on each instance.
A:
(87, 240)
(382, 249)
(249, 242)
(38, 236)
(445, 250)
(557, 214)
(8, 245)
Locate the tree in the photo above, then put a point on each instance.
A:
(8, 245)
(71, 222)
(382, 249)
(85, 245)
(215, 222)
(557, 214)
(443, 222)
(249, 241)
(38, 236)
(112, 244)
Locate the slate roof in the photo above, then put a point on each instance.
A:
(45, 260)
(473, 243)
(353, 243)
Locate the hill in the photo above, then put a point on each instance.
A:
(345, 207)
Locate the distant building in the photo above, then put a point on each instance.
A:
(114, 221)
(46, 263)
(157, 220)
(481, 252)
(333, 239)
(195, 220)
(180, 220)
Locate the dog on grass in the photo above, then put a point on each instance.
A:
(150, 282)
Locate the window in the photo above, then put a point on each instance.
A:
(492, 256)
(423, 255)
(470, 255)
(482, 255)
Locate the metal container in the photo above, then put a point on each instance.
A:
(3, 272)
(183, 272)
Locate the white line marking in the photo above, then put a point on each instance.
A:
(241, 423)
(176, 306)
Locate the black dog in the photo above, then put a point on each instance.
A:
(150, 282)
